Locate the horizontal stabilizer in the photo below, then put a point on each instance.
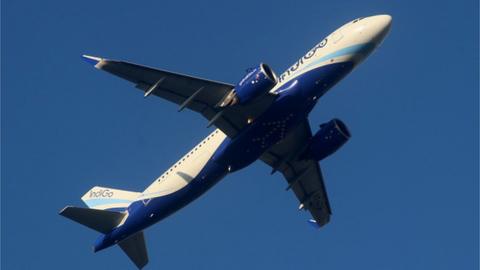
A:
(104, 198)
(134, 247)
(99, 220)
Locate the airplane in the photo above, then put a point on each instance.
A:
(263, 116)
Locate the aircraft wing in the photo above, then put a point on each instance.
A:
(304, 176)
(196, 94)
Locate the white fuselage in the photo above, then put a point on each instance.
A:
(185, 169)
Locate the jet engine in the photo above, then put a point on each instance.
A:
(258, 80)
(328, 139)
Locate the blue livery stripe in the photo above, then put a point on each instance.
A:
(364, 48)
(355, 49)
(97, 202)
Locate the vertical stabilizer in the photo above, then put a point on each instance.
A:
(104, 198)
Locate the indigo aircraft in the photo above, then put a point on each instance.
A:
(263, 116)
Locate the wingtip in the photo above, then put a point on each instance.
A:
(93, 60)
(313, 223)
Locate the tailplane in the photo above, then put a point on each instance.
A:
(134, 247)
(104, 221)
(99, 220)
(107, 211)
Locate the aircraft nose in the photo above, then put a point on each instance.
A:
(385, 20)
(379, 26)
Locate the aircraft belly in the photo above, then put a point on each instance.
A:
(270, 128)
(318, 81)
(144, 213)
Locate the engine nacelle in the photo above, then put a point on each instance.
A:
(331, 136)
(258, 81)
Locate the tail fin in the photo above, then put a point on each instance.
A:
(103, 198)
(99, 220)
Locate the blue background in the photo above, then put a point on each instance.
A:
(404, 190)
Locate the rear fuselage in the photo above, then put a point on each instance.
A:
(298, 90)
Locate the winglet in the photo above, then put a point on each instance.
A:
(92, 59)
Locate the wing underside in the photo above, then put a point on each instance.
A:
(197, 94)
(304, 176)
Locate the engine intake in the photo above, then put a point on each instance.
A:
(258, 80)
(331, 136)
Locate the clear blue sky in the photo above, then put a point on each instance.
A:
(404, 190)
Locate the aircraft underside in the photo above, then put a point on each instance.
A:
(262, 117)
